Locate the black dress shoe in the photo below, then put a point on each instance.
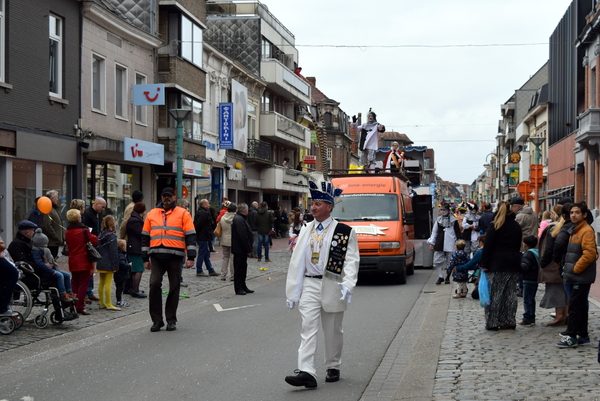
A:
(240, 292)
(171, 326)
(156, 326)
(301, 379)
(333, 375)
(248, 291)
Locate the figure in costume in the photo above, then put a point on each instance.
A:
(444, 235)
(470, 224)
(321, 277)
(369, 139)
(394, 160)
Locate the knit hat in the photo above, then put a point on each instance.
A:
(137, 196)
(39, 239)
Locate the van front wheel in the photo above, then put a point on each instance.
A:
(400, 277)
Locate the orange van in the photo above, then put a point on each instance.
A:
(379, 208)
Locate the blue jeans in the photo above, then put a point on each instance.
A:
(263, 239)
(90, 292)
(63, 282)
(203, 256)
(529, 291)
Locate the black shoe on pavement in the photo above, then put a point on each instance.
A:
(248, 291)
(171, 326)
(156, 326)
(333, 375)
(440, 281)
(447, 281)
(241, 292)
(301, 379)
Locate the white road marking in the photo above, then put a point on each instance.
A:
(220, 309)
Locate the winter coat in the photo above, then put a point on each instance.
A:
(528, 221)
(485, 220)
(264, 221)
(502, 246)
(580, 259)
(456, 259)
(241, 235)
(472, 264)
(530, 265)
(561, 242)
(225, 223)
(76, 240)
(135, 224)
(39, 264)
(109, 251)
(126, 216)
(550, 271)
(20, 249)
(251, 218)
(52, 227)
(203, 223)
(93, 220)
(124, 267)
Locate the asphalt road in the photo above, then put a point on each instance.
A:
(241, 349)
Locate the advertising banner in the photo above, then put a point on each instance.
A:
(143, 152)
(239, 97)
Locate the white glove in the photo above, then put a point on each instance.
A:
(346, 294)
(289, 304)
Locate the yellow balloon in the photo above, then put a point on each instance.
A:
(44, 204)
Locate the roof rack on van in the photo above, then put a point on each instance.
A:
(376, 172)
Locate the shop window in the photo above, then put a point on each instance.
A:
(23, 189)
(55, 177)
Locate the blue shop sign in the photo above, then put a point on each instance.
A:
(149, 95)
(226, 125)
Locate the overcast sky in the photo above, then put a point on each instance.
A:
(447, 98)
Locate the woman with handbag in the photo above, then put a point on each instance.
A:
(77, 236)
(109, 264)
(225, 224)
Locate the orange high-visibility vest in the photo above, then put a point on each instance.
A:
(168, 230)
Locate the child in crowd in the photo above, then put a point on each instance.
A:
(122, 274)
(530, 261)
(47, 268)
(109, 264)
(473, 264)
(459, 257)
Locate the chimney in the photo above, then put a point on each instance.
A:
(312, 80)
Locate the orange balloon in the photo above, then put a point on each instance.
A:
(44, 204)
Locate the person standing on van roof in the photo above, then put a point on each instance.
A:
(369, 139)
(444, 235)
(324, 262)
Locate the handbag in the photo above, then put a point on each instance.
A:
(272, 233)
(218, 231)
(65, 250)
(92, 253)
(484, 290)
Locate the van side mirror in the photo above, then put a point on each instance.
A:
(409, 218)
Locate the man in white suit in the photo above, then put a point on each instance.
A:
(323, 267)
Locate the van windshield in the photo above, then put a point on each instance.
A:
(370, 207)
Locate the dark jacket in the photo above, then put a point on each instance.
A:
(109, 251)
(124, 267)
(93, 220)
(76, 240)
(39, 264)
(203, 223)
(241, 235)
(550, 271)
(501, 252)
(134, 227)
(264, 221)
(52, 227)
(485, 220)
(530, 265)
(580, 259)
(251, 218)
(20, 249)
(561, 242)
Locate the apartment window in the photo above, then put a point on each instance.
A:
(2, 55)
(98, 83)
(191, 41)
(251, 121)
(593, 88)
(56, 36)
(121, 91)
(192, 126)
(266, 48)
(140, 111)
(266, 101)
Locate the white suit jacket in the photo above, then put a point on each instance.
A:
(330, 290)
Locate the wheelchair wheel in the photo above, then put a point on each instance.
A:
(7, 325)
(18, 320)
(54, 320)
(41, 321)
(21, 300)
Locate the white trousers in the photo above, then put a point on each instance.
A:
(440, 261)
(311, 310)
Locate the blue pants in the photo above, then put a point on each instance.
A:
(529, 291)
(263, 239)
(63, 281)
(203, 256)
(9, 275)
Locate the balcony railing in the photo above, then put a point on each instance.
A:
(259, 150)
(275, 125)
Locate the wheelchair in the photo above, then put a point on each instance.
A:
(31, 291)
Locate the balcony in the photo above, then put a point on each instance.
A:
(284, 82)
(283, 179)
(259, 151)
(284, 130)
(589, 132)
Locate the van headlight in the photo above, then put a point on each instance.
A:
(389, 245)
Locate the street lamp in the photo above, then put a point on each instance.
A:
(179, 115)
(535, 172)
